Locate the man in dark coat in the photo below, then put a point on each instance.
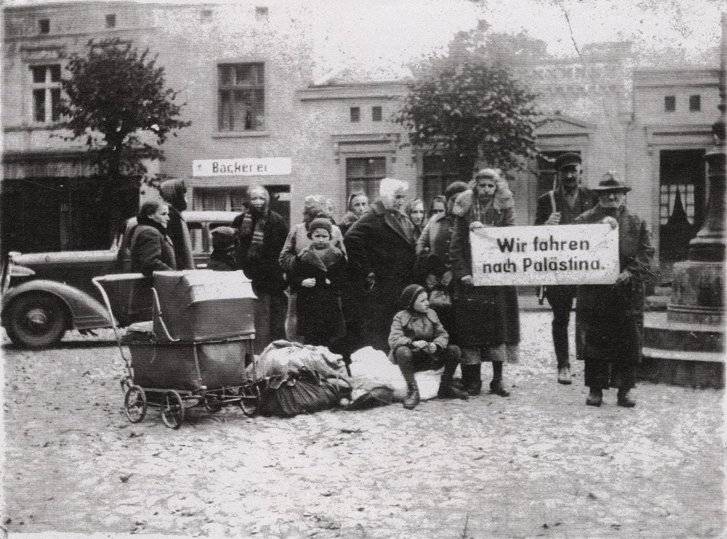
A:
(260, 237)
(560, 206)
(174, 193)
(612, 315)
(380, 247)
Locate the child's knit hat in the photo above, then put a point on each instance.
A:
(409, 295)
(320, 222)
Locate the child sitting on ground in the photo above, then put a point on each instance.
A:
(419, 342)
(317, 275)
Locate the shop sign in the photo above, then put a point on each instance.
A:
(250, 166)
(545, 255)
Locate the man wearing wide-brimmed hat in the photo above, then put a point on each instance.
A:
(612, 315)
(560, 206)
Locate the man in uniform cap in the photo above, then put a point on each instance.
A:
(560, 206)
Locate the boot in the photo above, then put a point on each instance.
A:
(446, 389)
(595, 396)
(471, 379)
(623, 399)
(564, 376)
(412, 394)
(496, 386)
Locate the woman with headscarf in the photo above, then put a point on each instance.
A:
(488, 322)
(260, 237)
(434, 266)
(174, 193)
(415, 212)
(356, 206)
(612, 316)
(297, 240)
(151, 250)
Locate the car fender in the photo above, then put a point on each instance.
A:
(86, 311)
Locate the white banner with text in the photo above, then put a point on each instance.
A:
(545, 255)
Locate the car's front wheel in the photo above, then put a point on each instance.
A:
(36, 320)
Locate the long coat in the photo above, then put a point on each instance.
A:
(378, 244)
(151, 250)
(263, 268)
(485, 316)
(612, 315)
(320, 320)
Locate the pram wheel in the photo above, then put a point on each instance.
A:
(249, 399)
(135, 404)
(172, 410)
(212, 404)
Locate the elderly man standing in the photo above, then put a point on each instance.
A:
(260, 237)
(380, 248)
(560, 206)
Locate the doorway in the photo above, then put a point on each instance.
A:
(682, 197)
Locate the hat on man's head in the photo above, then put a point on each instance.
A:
(569, 159)
(488, 173)
(610, 184)
(409, 295)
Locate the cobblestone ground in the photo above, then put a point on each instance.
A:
(537, 463)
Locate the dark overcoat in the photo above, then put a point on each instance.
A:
(611, 316)
(263, 268)
(485, 316)
(151, 250)
(378, 244)
(320, 320)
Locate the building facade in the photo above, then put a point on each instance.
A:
(245, 75)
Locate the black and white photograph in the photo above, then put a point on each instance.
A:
(389, 269)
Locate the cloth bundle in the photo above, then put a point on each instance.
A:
(299, 379)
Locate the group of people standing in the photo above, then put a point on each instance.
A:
(389, 276)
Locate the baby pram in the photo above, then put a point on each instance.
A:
(194, 350)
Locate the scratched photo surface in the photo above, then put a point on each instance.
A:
(247, 387)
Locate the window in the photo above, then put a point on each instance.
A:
(670, 103)
(241, 97)
(668, 200)
(695, 103)
(44, 26)
(111, 21)
(261, 13)
(205, 15)
(364, 174)
(437, 173)
(355, 113)
(46, 92)
(376, 114)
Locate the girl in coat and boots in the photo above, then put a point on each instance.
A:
(419, 342)
(317, 276)
(487, 321)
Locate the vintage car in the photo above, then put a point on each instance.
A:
(47, 294)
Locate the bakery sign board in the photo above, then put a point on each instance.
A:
(544, 255)
(247, 166)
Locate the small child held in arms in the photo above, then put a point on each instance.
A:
(419, 342)
(317, 276)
